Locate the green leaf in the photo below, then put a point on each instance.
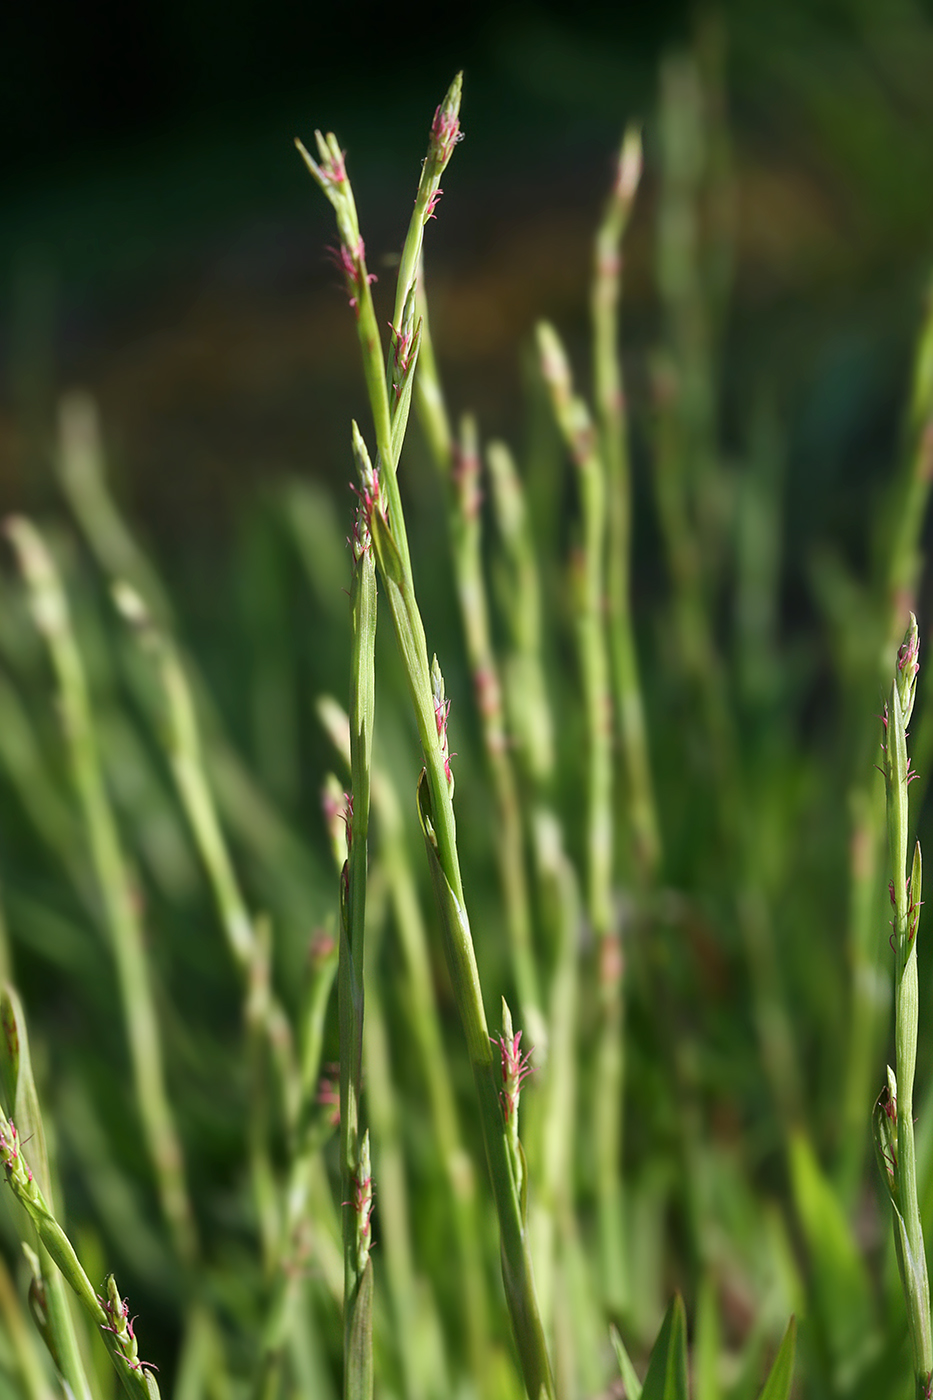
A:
(707, 1343)
(627, 1371)
(18, 1086)
(781, 1375)
(359, 1361)
(667, 1367)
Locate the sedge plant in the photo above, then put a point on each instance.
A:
(294, 1294)
(893, 1120)
(390, 387)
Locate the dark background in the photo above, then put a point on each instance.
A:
(161, 244)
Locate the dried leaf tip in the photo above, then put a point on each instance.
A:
(630, 165)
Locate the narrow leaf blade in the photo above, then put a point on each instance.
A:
(781, 1376)
(667, 1367)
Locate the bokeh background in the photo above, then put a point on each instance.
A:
(163, 248)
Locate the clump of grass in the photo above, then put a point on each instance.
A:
(294, 1182)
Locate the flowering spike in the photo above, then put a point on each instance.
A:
(369, 490)
(445, 131)
(908, 665)
(362, 1205)
(403, 344)
(441, 713)
(516, 1065)
(884, 1130)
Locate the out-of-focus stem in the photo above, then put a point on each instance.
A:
(459, 465)
(120, 909)
(896, 590)
(426, 1029)
(613, 442)
(394, 1212)
(21, 1335)
(249, 941)
(286, 1288)
(589, 567)
(22, 1100)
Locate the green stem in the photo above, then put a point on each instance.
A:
(51, 613)
(460, 468)
(109, 1314)
(356, 1176)
(613, 435)
(589, 570)
(906, 893)
(267, 1027)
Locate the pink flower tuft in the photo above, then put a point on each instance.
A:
(516, 1067)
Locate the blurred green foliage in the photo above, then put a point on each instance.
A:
(777, 259)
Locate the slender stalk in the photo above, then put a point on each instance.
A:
(248, 939)
(893, 1119)
(426, 1030)
(459, 465)
(120, 908)
(589, 571)
(81, 474)
(355, 1170)
(109, 1314)
(29, 1372)
(435, 802)
(531, 725)
(331, 176)
(613, 443)
(385, 1120)
(22, 1100)
(899, 575)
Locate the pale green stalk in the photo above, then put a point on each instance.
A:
(120, 909)
(435, 802)
(556, 1247)
(384, 1114)
(249, 941)
(894, 1119)
(287, 1287)
(109, 1315)
(29, 1370)
(81, 473)
(426, 1030)
(531, 723)
(22, 1101)
(589, 571)
(355, 1169)
(900, 573)
(686, 299)
(459, 465)
(613, 441)
(384, 381)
